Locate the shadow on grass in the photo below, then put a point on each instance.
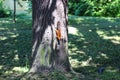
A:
(96, 44)
(15, 46)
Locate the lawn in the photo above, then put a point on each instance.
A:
(94, 43)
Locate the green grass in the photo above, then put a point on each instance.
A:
(93, 42)
(15, 46)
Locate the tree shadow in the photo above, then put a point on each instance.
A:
(15, 46)
(96, 44)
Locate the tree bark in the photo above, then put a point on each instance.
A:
(50, 50)
(14, 13)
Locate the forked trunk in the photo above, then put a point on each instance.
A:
(50, 50)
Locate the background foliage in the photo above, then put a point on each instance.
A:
(4, 12)
(105, 8)
(96, 8)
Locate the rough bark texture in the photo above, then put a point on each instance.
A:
(49, 52)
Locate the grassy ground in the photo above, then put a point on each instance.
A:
(94, 43)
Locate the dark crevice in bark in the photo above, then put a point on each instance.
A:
(52, 49)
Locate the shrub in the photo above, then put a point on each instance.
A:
(106, 8)
(3, 11)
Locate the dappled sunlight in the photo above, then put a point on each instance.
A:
(81, 52)
(15, 72)
(2, 28)
(105, 35)
(20, 69)
(1, 66)
(112, 71)
(74, 62)
(104, 55)
(16, 35)
(74, 49)
(15, 46)
(114, 39)
(87, 62)
(72, 30)
(6, 35)
(5, 21)
(76, 19)
(3, 38)
(96, 45)
(16, 57)
(92, 43)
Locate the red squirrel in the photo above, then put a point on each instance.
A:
(58, 32)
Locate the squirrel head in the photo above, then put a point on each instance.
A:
(58, 25)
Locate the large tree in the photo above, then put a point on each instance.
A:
(50, 36)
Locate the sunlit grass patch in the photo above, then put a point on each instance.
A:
(21, 69)
(72, 30)
(113, 38)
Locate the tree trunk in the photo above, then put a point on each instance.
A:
(50, 50)
(14, 13)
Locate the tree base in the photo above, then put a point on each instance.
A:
(54, 75)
